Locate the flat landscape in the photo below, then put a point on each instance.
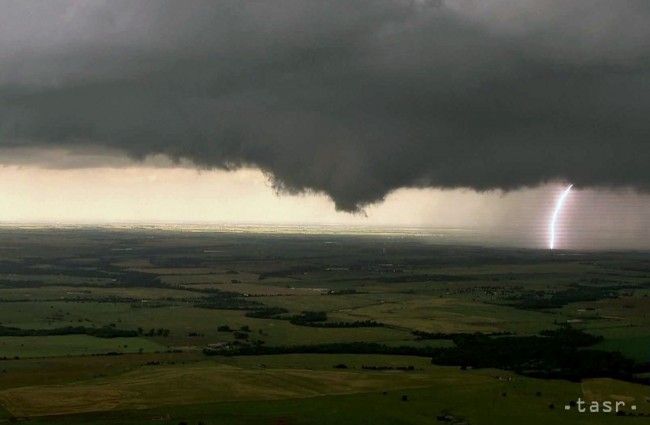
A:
(146, 325)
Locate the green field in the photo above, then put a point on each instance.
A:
(129, 327)
(72, 345)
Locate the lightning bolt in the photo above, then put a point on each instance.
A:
(556, 212)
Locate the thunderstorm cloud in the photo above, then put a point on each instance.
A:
(353, 98)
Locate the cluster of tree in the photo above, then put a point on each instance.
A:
(308, 318)
(537, 300)
(154, 332)
(242, 333)
(561, 353)
(103, 332)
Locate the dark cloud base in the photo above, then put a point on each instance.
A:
(350, 98)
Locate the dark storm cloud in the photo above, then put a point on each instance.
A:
(352, 98)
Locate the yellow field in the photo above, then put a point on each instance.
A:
(446, 315)
(294, 377)
(208, 382)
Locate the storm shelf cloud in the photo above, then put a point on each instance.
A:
(352, 98)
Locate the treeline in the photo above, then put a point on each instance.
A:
(411, 278)
(333, 348)
(299, 270)
(355, 324)
(33, 268)
(402, 368)
(176, 262)
(422, 335)
(103, 332)
(10, 284)
(134, 279)
(314, 319)
(343, 292)
(267, 313)
(226, 301)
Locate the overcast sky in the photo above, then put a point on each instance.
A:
(403, 109)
